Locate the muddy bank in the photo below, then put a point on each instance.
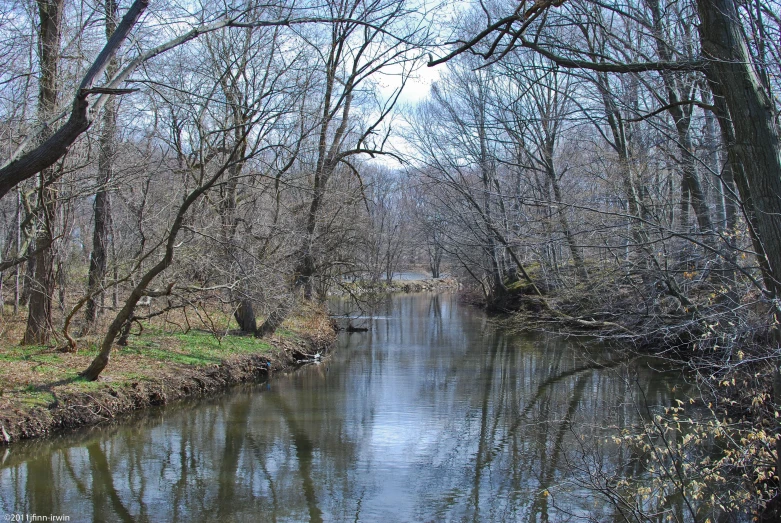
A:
(106, 401)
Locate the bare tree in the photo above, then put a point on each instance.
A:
(106, 159)
(39, 320)
(534, 119)
(350, 54)
(23, 165)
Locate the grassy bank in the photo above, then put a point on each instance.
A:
(41, 392)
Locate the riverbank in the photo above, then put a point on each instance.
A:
(41, 392)
(721, 340)
(362, 287)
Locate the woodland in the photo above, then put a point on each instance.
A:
(608, 167)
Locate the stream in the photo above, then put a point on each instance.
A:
(434, 414)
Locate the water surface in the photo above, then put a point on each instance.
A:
(435, 414)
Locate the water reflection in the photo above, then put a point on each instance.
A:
(434, 414)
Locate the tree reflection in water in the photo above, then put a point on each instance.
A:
(433, 414)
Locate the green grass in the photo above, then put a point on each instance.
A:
(43, 360)
(194, 347)
(86, 385)
(37, 398)
(25, 352)
(285, 333)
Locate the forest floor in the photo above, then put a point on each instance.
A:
(41, 392)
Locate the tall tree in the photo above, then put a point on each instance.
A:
(681, 88)
(534, 116)
(231, 124)
(102, 207)
(39, 320)
(755, 154)
(350, 55)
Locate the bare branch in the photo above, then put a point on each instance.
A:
(55, 147)
(667, 107)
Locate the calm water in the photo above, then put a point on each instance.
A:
(433, 415)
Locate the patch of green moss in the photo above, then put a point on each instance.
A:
(520, 286)
(513, 286)
(37, 398)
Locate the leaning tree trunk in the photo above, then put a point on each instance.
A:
(125, 314)
(756, 148)
(56, 145)
(275, 319)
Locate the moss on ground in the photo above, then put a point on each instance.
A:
(195, 347)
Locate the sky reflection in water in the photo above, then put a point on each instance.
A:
(434, 414)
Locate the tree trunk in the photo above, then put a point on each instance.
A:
(17, 274)
(574, 248)
(756, 148)
(435, 264)
(757, 152)
(275, 319)
(691, 183)
(125, 314)
(692, 192)
(39, 319)
(98, 256)
(41, 282)
(714, 164)
(245, 317)
(307, 266)
(434, 258)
